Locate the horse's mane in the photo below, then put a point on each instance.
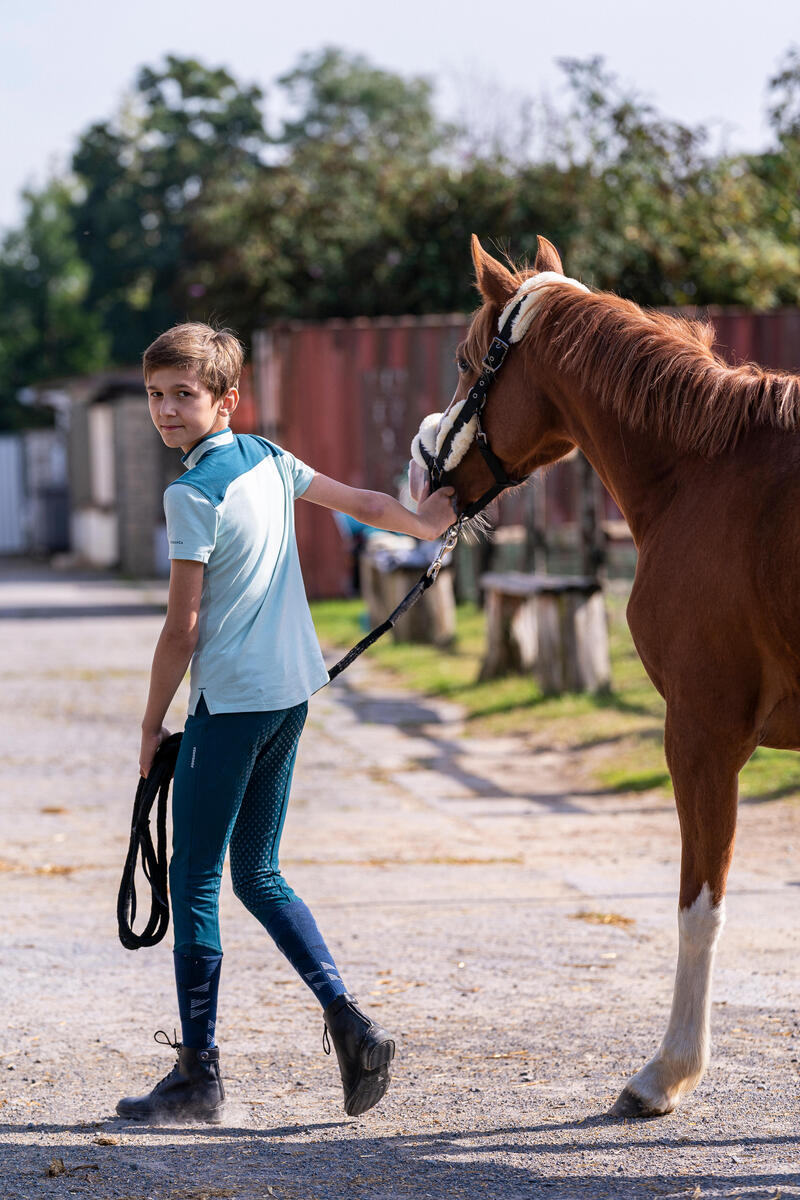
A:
(654, 371)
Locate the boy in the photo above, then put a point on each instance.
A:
(237, 610)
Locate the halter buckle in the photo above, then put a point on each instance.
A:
(495, 355)
(479, 432)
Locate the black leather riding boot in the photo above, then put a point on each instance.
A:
(364, 1050)
(192, 1091)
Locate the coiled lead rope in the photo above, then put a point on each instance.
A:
(154, 858)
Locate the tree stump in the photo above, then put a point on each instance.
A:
(387, 576)
(553, 626)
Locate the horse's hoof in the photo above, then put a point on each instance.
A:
(632, 1106)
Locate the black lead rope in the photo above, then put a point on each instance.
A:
(154, 858)
(420, 587)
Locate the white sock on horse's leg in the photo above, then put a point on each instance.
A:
(682, 1057)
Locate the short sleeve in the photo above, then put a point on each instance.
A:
(191, 523)
(301, 474)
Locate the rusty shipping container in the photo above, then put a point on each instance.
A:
(347, 397)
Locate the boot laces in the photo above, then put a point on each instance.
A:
(163, 1040)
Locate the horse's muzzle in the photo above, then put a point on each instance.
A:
(419, 483)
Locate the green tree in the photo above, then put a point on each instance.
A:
(145, 177)
(664, 220)
(779, 166)
(361, 202)
(377, 116)
(322, 227)
(46, 333)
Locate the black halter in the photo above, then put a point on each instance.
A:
(473, 406)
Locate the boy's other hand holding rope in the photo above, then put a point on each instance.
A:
(147, 752)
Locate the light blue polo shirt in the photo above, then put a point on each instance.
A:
(234, 511)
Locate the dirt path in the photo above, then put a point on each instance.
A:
(514, 928)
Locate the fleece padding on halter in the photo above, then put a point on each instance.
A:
(531, 291)
(433, 432)
(427, 437)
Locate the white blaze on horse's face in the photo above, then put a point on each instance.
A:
(436, 426)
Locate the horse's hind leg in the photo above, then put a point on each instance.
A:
(705, 779)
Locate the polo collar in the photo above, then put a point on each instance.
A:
(210, 442)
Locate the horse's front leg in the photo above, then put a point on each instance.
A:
(704, 773)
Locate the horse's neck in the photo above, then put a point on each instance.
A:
(638, 469)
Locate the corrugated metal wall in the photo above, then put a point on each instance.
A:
(771, 339)
(347, 398)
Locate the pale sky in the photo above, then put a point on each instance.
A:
(66, 64)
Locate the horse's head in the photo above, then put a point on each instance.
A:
(515, 421)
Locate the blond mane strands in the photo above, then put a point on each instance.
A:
(658, 372)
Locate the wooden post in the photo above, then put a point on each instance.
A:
(536, 525)
(552, 626)
(433, 618)
(385, 580)
(593, 551)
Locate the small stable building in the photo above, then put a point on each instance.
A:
(118, 469)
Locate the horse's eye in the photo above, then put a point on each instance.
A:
(462, 365)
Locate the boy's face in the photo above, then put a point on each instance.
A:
(183, 409)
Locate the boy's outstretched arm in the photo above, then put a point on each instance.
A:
(173, 653)
(431, 519)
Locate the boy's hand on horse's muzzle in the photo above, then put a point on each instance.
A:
(436, 513)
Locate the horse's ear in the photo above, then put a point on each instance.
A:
(495, 282)
(547, 257)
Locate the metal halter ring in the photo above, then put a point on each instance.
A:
(448, 544)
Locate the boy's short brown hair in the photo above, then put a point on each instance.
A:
(215, 355)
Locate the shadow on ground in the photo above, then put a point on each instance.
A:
(341, 1159)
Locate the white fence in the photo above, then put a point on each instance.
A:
(13, 533)
(34, 508)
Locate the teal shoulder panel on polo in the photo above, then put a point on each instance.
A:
(211, 474)
(233, 510)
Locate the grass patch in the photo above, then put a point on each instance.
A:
(617, 779)
(629, 719)
(770, 775)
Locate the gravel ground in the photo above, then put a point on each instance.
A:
(512, 926)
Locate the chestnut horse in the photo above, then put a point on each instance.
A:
(704, 462)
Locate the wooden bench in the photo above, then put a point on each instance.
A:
(388, 574)
(553, 626)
